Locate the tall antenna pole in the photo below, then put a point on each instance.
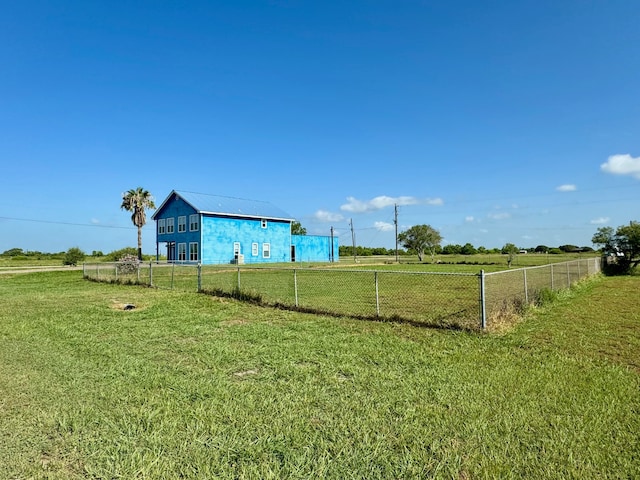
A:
(395, 221)
(353, 239)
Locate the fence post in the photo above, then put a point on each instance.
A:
(579, 270)
(551, 276)
(173, 271)
(150, 273)
(526, 290)
(483, 303)
(238, 278)
(116, 270)
(199, 277)
(375, 278)
(295, 285)
(138, 271)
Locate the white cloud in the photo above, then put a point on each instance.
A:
(622, 165)
(358, 206)
(600, 221)
(324, 216)
(469, 219)
(384, 226)
(566, 188)
(499, 216)
(354, 205)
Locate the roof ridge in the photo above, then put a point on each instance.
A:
(222, 196)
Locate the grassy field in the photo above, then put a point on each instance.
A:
(190, 386)
(440, 295)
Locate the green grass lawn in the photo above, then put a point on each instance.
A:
(191, 386)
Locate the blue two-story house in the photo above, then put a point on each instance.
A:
(211, 229)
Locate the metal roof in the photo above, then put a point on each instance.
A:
(230, 206)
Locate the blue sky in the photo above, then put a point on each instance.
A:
(491, 121)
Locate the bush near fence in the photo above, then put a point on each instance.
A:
(451, 300)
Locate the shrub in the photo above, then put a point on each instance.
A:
(73, 256)
(128, 264)
(116, 255)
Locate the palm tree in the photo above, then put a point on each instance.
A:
(136, 201)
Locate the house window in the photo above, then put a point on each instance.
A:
(236, 248)
(170, 225)
(194, 223)
(264, 223)
(254, 249)
(266, 250)
(182, 252)
(182, 224)
(161, 226)
(193, 252)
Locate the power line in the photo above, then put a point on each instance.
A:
(53, 222)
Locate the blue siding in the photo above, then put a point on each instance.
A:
(314, 248)
(174, 209)
(225, 221)
(220, 234)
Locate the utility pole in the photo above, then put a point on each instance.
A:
(332, 252)
(395, 221)
(353, 240)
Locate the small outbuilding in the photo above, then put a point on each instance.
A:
(211, 229)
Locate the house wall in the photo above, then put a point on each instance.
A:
(217, 235)
(220, 233)
(314, 248)
(174, 209)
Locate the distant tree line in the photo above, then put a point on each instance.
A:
(72, 256)
(455, 249)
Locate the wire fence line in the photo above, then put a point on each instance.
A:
(451, 300)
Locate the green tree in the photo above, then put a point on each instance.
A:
(73, 256)
(298, 229)
(624, 244)
(604, 238)
(421, 239)
(468, 249)
(511, 251)
(136, 201)
(13, 252)
(452, 249)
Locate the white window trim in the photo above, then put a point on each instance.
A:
(264, 223)
(266, 250)
(194, 222)
(161, 226)
(182, 252)
(170, 225)
(193, 256)
(182, 223)
(254, 249)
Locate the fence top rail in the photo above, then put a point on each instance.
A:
(511, 270)
(324, 270)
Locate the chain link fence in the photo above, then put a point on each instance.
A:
(451, 300)
(507, 292)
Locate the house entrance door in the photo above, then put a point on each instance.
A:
(171, 251)
(293, 253)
